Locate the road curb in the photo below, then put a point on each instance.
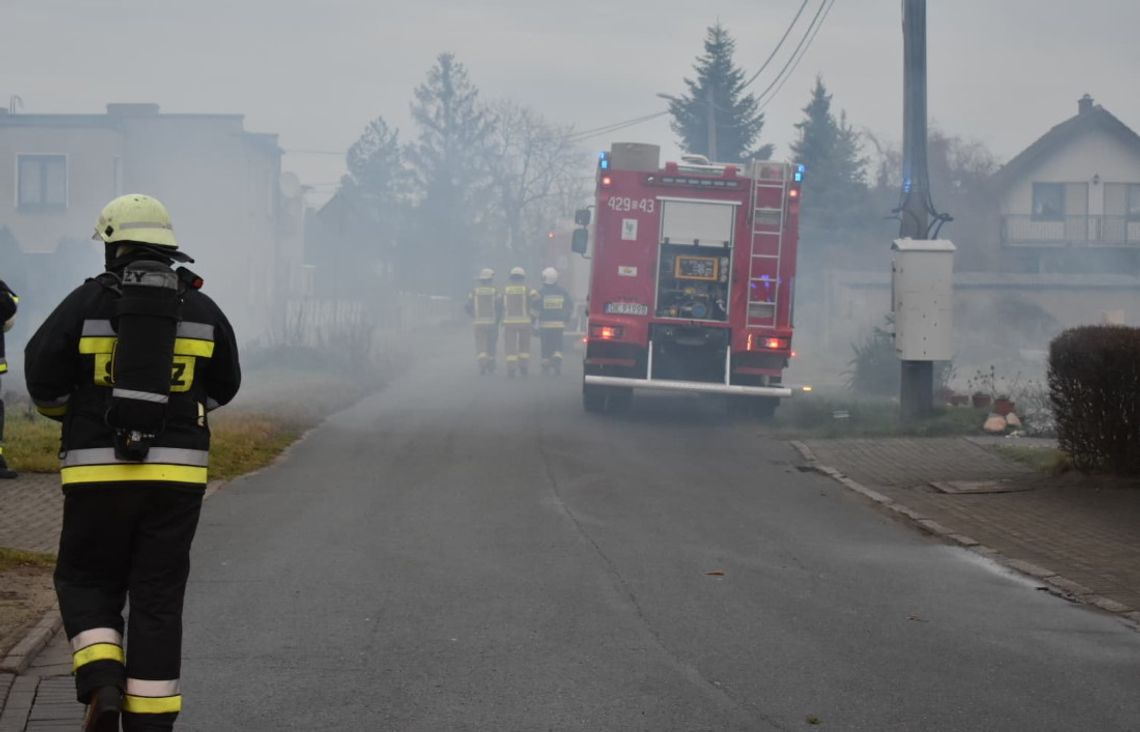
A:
(1052, 582)
(24, 652)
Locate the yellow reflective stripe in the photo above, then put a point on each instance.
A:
(133, 473)
(97, 652)
(52, 411)
(89, 345)
(152, 704)
(193, 347)
(3, 368)
(553, 324)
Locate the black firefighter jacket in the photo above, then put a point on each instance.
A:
(8, 302)
(67, 365)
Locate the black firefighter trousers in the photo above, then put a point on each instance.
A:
(127, 541)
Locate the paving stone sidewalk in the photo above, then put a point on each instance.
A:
(42, 699)
(1085, 534)
(31, 512)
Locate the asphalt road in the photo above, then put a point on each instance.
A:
(467, 553)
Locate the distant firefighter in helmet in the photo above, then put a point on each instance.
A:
(517, 322)
(485, 306)
(553, 306)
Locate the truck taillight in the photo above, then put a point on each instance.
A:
(606, 332)
(759, 343)
(606, 181)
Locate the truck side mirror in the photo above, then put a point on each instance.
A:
(580, 240)
(582, 217)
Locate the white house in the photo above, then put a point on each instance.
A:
(1070, 202)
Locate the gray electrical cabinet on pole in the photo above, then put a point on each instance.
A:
(922, 299)
(934, 265)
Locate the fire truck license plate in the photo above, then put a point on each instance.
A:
(627, 308)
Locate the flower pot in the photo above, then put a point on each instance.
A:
(1003, 406)
(981, 401)
(960, 400)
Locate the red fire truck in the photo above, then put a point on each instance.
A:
(693, 278)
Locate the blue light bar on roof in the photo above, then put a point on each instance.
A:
(603, 160)
(800, 170)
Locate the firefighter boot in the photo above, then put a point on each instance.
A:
(556, 363)
(103, 710)
(6, 473)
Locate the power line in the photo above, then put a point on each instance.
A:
(799, 46)
(830, 5)
(607, 128)
(778, 45)
(587, 134)
(338, 153)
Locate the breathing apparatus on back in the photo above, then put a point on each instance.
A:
(147, 312)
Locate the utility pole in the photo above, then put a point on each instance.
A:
(711, 121)
(917, 391)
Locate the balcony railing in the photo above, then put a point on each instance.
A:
(1102, 230)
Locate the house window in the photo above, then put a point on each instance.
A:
(1133, 202)
(1048, 201)
(41, 181)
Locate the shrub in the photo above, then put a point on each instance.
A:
(874, 369)
(1094, 385)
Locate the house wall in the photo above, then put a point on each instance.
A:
(220, 187)
(90, 155)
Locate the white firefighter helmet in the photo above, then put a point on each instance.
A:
(486, 274)
(138, 219)
(550, 275)
(518, 272)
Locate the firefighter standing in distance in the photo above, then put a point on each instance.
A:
(486, 307)
(131, 362)
(554, 307)
(8, 303)
(517, 322)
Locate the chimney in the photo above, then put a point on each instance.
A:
(1084, 104)
(132, 110)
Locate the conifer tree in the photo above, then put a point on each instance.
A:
(718, 94)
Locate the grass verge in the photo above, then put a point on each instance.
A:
(244, 442)
(279, 406)
(1048, 460)
(32, 442)
(828, 417)
(11, 558)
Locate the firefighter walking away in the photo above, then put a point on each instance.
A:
(554, 306)
(485, 306)
(517, 322)
(8, 303)
(132, 362)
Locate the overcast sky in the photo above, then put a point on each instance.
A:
(315, 71)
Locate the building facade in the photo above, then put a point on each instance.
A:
(221, 183)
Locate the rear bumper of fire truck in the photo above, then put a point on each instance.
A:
(694, 387)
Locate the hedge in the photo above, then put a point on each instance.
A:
(1094, 385)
